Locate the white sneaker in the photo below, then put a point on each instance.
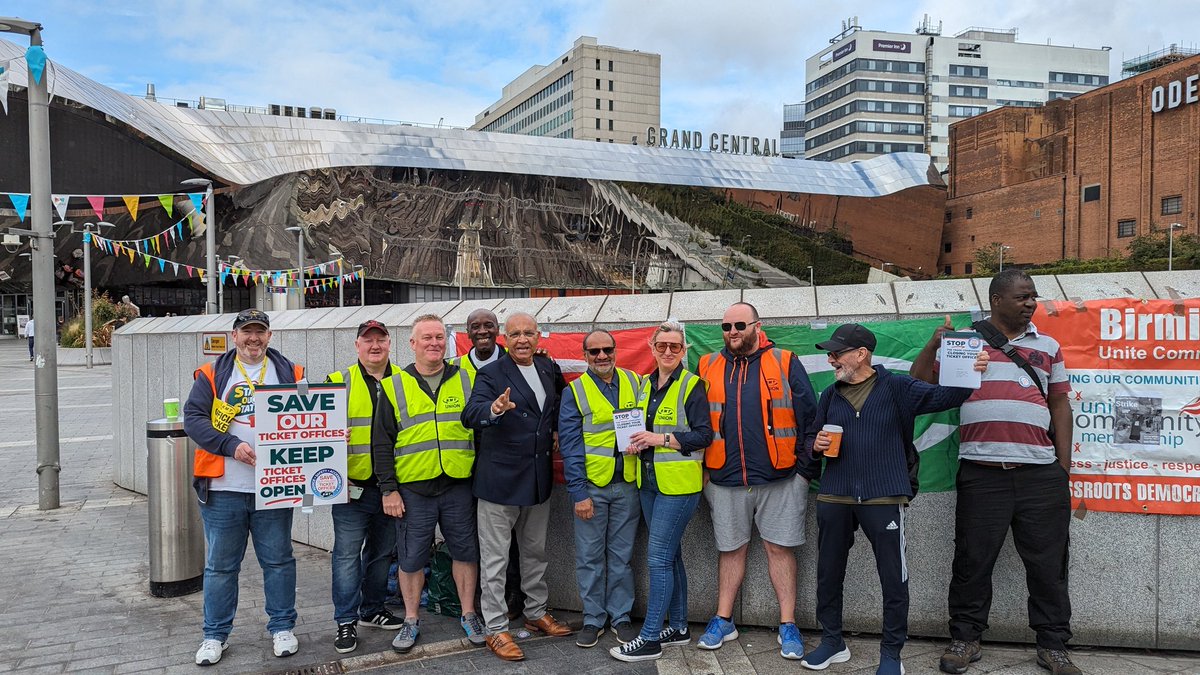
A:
(210, 652)
(286, 643)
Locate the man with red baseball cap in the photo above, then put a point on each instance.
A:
(363, 535)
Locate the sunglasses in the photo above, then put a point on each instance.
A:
(662, 347)
(739, 325)
(597, 351)
(838, 355)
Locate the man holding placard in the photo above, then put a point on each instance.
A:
(363, 535)
(219, 417)
(423, 458)
(866, 422)
(602, 486)
(1014, 473)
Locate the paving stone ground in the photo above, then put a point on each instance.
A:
(74, 594)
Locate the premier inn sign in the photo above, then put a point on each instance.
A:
(661, 137)
(1174, 94)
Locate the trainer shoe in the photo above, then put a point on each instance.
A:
(210, 652)
(409, 632)
(588, 636)
(716, 633)
(959, 655)
(637, 649)
(383, 619)
(1057, 661)
(625, 632)
(670, 636)
(825, 654)
(285, 643)
(347, 638)
(889, 665)
(791, 645)
(473, 627)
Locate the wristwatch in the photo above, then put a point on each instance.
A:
(667, 440)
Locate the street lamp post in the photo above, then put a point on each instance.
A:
(210, 243)
(810, 276)
(1171, 245)
(87, 285)
(362, 285)
(1003, 248)
(45, 379)
(342, 290)
(300, 261)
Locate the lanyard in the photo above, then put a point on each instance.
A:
(262, 374)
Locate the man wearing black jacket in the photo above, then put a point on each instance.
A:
(514, 411)
(867, 485)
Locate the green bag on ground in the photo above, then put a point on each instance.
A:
(443, 594)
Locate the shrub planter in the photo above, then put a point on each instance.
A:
(70, 356)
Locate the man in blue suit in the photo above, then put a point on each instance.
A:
(514, 411)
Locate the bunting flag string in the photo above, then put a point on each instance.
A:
(132, 202)
(118, 249)
(158, 242)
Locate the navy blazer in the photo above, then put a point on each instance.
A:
(512, 461)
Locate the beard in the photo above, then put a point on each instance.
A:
(747, 347)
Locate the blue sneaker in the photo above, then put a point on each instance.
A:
(791, 644)
(825, 654)
(716, 633)
(889, 665)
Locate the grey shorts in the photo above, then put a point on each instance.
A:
(453, 511)
(776, 508)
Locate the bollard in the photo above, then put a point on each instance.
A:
(176, 533)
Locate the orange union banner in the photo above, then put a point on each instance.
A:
(1134, 367)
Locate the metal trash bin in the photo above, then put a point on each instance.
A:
(176, 532)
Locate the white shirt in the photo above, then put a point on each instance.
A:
(535, 383)
(239, 477)
(478, 363)
(29, 328)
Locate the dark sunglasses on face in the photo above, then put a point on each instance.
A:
(740, 325)
(596, 351)
(662, 347)
(838, 355)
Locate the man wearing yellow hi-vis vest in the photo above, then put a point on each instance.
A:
(423, 457)
(602, 486)
(363, 535)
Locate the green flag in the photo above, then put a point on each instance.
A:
(899, 342)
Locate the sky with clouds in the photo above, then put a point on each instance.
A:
(726, 66)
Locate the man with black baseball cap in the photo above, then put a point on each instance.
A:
(363, 535)
(219, 417)
(867, 483)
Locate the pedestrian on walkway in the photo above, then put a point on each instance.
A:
(423, 457)
(219, 417)
(670, 476)
(514, 411)
(867, 484)
(29, 330)
(1015, 453)
(364, 537)
(760, 403)
(601, 484)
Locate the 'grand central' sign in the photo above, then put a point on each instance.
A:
(683, 139)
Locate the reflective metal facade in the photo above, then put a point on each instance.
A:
(243, 149)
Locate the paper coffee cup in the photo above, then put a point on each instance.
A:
(835, 439)
(171, 408)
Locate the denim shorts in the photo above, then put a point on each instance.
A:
(453, 511)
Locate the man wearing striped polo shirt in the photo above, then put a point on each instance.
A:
(1014, 474)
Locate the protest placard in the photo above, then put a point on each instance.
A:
(301, 445)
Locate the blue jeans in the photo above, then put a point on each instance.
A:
(363, 539)
(228, 518)
(667, 516)
(604, 551)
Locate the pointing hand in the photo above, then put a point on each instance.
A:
(502, 404)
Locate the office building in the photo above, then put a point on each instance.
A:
(592, 92)
(874, 92)
(791, 137)
(1078, 178)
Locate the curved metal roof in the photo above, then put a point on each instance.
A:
(242, 148)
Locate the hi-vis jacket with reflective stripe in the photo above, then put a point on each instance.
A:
(599, 435)
(779, 423)
(431, 439)
(360, 410)
(675, 473)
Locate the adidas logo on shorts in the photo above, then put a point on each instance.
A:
(892, 526)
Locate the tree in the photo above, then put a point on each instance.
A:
(987, 258)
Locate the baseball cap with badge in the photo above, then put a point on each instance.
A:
(848, 336)
(248, 316)
(371, 324)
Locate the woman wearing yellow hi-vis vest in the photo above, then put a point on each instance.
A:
(670, 475)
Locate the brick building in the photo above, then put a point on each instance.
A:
(1079, 177)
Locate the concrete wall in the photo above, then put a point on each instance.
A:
(1134, 578)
